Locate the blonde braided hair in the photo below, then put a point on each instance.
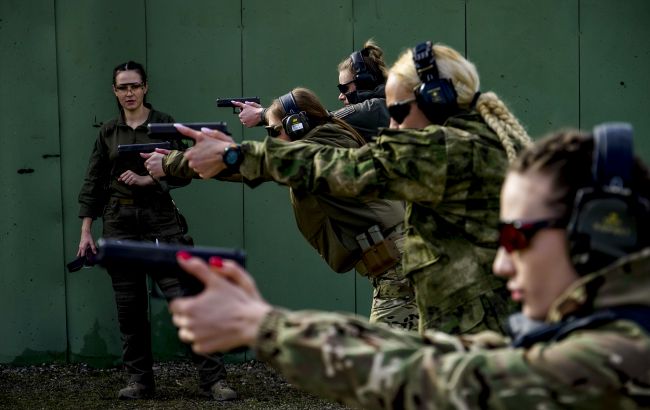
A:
(464, 76)
(500, 119)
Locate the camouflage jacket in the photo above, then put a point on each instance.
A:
(449, 176)
(602, 367)
(330, 224)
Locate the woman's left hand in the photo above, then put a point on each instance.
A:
(131, 178)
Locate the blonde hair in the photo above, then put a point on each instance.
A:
(464, 77)
(373, 56)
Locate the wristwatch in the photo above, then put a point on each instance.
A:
(233, 157)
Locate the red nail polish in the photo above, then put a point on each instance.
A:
(215, 261)
(185, 255)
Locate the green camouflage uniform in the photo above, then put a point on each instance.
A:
(450, 177)
(604, 366)
(330, 224)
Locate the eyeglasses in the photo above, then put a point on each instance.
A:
(343, 88)
(273, 130)
(516, 235)
(125, 88)
(400, 110)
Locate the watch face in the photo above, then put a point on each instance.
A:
(231, 156)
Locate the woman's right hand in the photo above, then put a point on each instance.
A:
(86, 240)
(249, 113)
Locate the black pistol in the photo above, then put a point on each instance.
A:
(168, 131)
(155, 259)
(123, 149)
(227, 102)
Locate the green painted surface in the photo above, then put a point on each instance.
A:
(556, 63)
(32, 284)
(531, 62)
(614, 66)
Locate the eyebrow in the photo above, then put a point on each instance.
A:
(136, 83)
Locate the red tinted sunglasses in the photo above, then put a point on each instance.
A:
(516, 235)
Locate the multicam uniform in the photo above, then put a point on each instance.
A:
(450, 177)
(331, 224)
(588, 364)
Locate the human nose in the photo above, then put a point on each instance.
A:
(502, 265)
(341, 97)
(393, 124)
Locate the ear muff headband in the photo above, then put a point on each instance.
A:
(605, 219)
(295, 122)
(436, 96)
(363, 78)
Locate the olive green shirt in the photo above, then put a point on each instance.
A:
(105, 166)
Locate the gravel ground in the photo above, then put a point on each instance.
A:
(78, 386)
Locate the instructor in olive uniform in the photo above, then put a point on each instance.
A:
(136, 206)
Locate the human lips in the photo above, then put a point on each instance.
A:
(516, 293)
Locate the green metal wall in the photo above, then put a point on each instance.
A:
(556, 63)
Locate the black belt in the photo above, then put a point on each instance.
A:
(137, 201)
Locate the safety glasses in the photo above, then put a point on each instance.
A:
(400, 110)
(516, 235)
(343, 88)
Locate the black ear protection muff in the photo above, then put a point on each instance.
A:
(363, 78)
(436, 96)
(608, 218)
(295, 122)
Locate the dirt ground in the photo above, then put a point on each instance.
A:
(78, 386)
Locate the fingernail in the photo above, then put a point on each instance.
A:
(204, 129)
(215, 261)
(185, 255)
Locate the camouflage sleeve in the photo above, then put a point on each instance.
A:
(372, 366)
(175, 165)
(408, 166)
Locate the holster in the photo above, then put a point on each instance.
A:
(380, 257)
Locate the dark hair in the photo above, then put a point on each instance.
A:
(373, 57)
(316, 113)
(130, 66)
(567, 157)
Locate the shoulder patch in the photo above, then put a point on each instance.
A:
(345, 111)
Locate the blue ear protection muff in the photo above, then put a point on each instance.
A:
(295, 122)
(608, 218)
(436, 96)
